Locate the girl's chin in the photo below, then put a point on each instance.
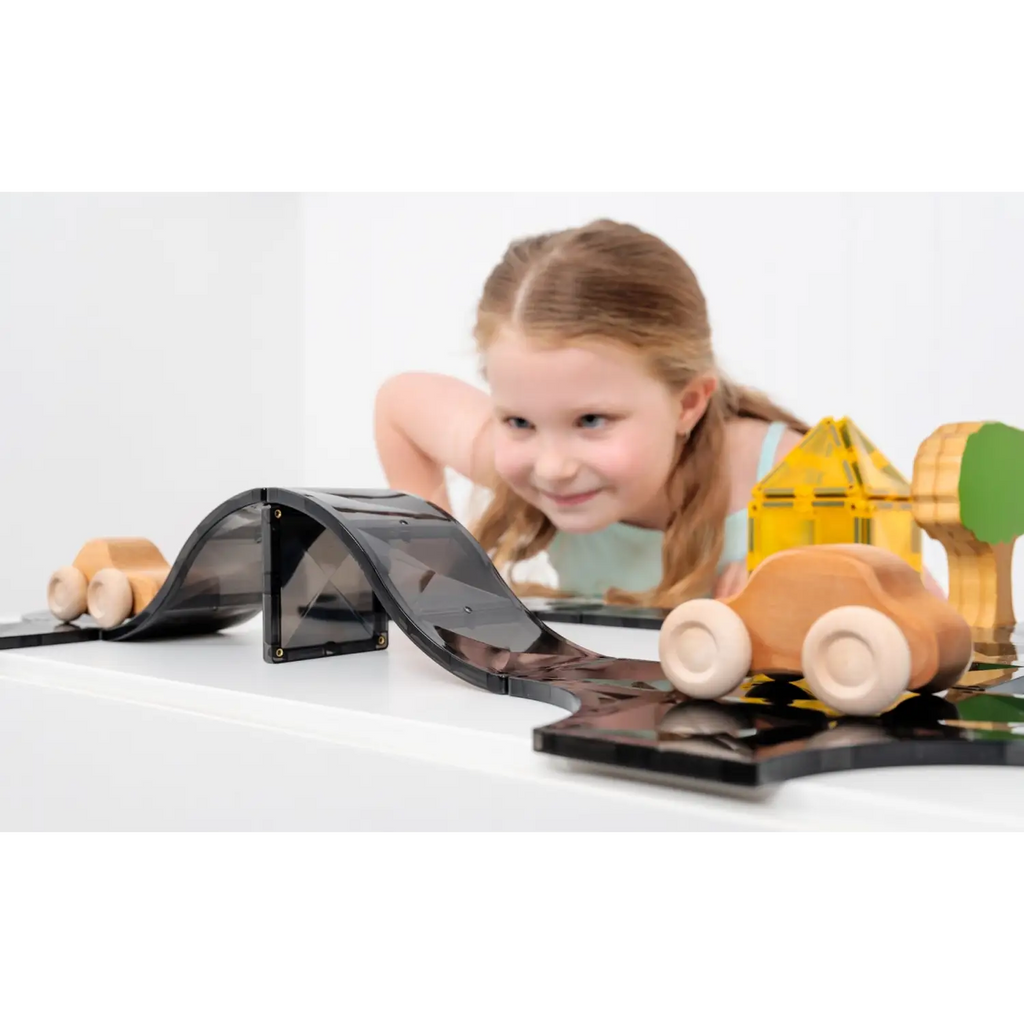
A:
(580, 522)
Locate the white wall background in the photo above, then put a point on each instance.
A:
(151, 367)
(160, 353)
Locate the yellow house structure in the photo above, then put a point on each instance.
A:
(835, 487)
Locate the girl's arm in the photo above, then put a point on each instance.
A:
(425, 422)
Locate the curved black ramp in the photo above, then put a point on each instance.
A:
(215, 582)
(435, 581)
(329, 568)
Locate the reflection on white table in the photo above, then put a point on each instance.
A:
(203, 734)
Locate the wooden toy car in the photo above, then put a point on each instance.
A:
(856, 621)
(113, 577)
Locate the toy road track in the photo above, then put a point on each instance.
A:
(328, 569)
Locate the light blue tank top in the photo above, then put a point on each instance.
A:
(629, 557)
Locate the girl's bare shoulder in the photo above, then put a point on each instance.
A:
(744, 439)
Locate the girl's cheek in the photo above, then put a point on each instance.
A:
(510, 463)
(633, 456)
(619, 459)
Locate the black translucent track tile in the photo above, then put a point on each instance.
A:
(588, 612)
(329, 568)
(773, 730)
(40, 631)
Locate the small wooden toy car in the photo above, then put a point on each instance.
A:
(113, 577)
(856, 621)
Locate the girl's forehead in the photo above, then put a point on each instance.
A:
(566, 376)
(513, 361)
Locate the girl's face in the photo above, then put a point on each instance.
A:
(584, 432)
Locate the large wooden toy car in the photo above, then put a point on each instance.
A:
(856, 621)
(113, 578)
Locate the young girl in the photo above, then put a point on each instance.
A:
(610, 438)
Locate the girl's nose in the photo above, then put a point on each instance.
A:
(554, 465)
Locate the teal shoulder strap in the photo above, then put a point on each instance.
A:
(768, 448)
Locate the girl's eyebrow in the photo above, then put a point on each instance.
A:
(604, 408)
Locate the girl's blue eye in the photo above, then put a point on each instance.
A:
(593, 419)
(517, 422)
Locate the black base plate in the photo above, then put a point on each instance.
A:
(771, 730)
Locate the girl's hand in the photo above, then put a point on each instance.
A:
(732, 580)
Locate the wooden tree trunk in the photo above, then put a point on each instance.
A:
(981, 583)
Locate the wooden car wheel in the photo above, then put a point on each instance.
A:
(856, 660)
(110, 598)
(65, 593)
(704, 648)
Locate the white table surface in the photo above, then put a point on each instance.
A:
(203, 734)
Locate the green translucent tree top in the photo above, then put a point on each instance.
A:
(992, 483)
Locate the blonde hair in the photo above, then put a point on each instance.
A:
(615, 282)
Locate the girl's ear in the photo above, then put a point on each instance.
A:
(693, 402)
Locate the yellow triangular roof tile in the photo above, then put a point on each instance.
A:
(881, 479)
(835, 458)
